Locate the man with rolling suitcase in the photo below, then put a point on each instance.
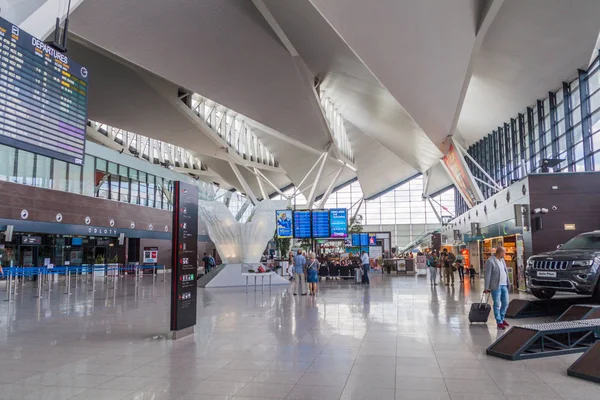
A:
(497, 283)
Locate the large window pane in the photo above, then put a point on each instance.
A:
(75, 178)
(59, 175)
(25, 165)
(124, 179)
(7, 165)
(88, 175)
(42, 172)
(134, 186)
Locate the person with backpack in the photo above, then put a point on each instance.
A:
(206, 262)
(312, 274)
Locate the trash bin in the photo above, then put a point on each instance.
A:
(358, 275)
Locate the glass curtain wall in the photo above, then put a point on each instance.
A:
(565, 126)
(401, 211)
(97, 177)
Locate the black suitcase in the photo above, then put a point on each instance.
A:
(480, 312)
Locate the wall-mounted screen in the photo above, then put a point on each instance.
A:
(302, 228)
(372, 240)
(284, 223)
(76, 241)
(43, 97)
(364, 239)
(339, 222)
(356, 239)
(320, 223)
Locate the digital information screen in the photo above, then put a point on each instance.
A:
(339, 222)
(372, 240)
(320, 223)
(302, 224)
(185, 256)
(364, 239)
(43, 97)
(356, 240)
(283, 219)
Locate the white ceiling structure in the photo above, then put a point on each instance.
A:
(403, 75)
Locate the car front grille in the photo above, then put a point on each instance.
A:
(551, 265)
(553, 284)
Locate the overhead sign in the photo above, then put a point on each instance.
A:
(284, 223)
(31, 240)
(43, 97)
(185, 255)
(338, 222)
(320, 223)
(302, 228)
(150, 255)
(458, 170)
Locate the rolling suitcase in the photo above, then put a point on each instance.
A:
(358, 275)
(480, 312)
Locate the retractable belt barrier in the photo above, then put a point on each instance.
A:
(16, 275)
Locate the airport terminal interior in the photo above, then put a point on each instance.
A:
(300, 199)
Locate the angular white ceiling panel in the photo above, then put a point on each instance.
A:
(358, 94)
(127, 98)
(419, 51)
(436, 179)
(223, 50)
(530, 48)
(377, 167)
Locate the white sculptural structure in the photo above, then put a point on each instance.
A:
(239, 243)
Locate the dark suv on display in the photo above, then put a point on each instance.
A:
(574, 267)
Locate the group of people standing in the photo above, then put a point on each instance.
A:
(448, 263)
(305, 271)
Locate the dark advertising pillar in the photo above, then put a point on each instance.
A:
(185, 249)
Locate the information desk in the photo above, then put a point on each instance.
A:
(262, 279)
(399, 265)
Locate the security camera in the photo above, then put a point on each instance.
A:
(554, 208)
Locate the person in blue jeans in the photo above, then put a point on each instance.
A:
(364, 260)
(497, 283)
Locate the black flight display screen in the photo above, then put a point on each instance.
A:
(185, 255)
(43, 97)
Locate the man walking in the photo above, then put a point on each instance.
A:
(496, 282)
(364, 260)
(299, 277)
(206, 262)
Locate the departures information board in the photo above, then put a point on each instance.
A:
(185, 256)
(302, 225)
(320, 223)
(43, 97)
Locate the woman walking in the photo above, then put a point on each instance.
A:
(312, 273)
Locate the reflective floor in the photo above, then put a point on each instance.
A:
(397, 339)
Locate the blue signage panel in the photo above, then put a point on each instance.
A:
(339, 222)
(284, 223)
(302, 225)
(356, 239)
(320, 223)
(364, 239)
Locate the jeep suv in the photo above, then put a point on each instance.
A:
(574, 267)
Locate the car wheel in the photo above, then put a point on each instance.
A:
(543, 294)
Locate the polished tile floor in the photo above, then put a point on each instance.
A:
(397, 339)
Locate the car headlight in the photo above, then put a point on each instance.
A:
(582, 263)
(529, 263)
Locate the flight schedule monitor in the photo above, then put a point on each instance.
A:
(302, 229)
(320, 223)
(43, 97)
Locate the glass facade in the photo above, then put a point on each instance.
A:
(565, 126)
(97, 177)
(402, 211)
